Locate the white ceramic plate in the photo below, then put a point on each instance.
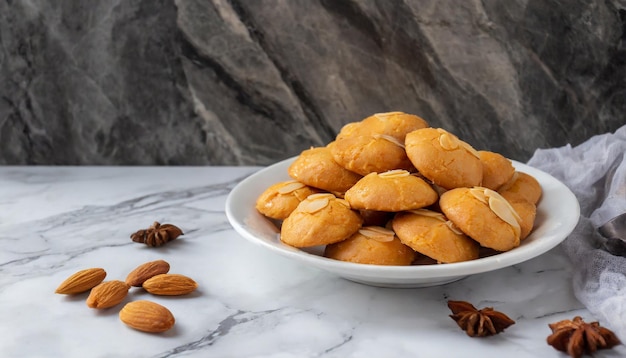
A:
(557, 215)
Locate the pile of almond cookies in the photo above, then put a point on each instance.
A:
(390, 190)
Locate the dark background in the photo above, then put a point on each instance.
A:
(234, 82)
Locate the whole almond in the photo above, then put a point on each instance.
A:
(107, 294)
(81, 281)
(170, 285)
(147, 316)
(143, 272)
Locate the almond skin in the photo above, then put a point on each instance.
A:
(170, 285)
(147, 316)
(143, 272)
(81, 281)
(107, 294)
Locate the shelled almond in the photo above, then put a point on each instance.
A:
(145, 271)
(107, 294)
(81, 281)
(142, 315)
(170, 285)
(147, 316)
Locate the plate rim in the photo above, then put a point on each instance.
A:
(415, 272)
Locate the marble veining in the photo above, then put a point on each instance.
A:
(250, 302)
(234, 82)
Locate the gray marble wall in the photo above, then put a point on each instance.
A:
(240, 82)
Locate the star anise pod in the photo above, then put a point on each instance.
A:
(478, 323)
(157, 234)
(577, 337)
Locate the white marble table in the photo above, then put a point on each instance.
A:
(250, 303)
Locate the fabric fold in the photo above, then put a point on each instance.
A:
(595, 171)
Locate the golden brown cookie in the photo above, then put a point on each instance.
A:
(394, 124)
(370, 154)
(443, 158)
(317, 168)
(483, 215)
(352, 129)
(320, 219)
(497, 170)
(392, 191)
(522, 186)
(432, 234)
(280, 199)
(372, 245)
(527, 212)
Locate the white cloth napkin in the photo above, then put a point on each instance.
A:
(595, 171)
